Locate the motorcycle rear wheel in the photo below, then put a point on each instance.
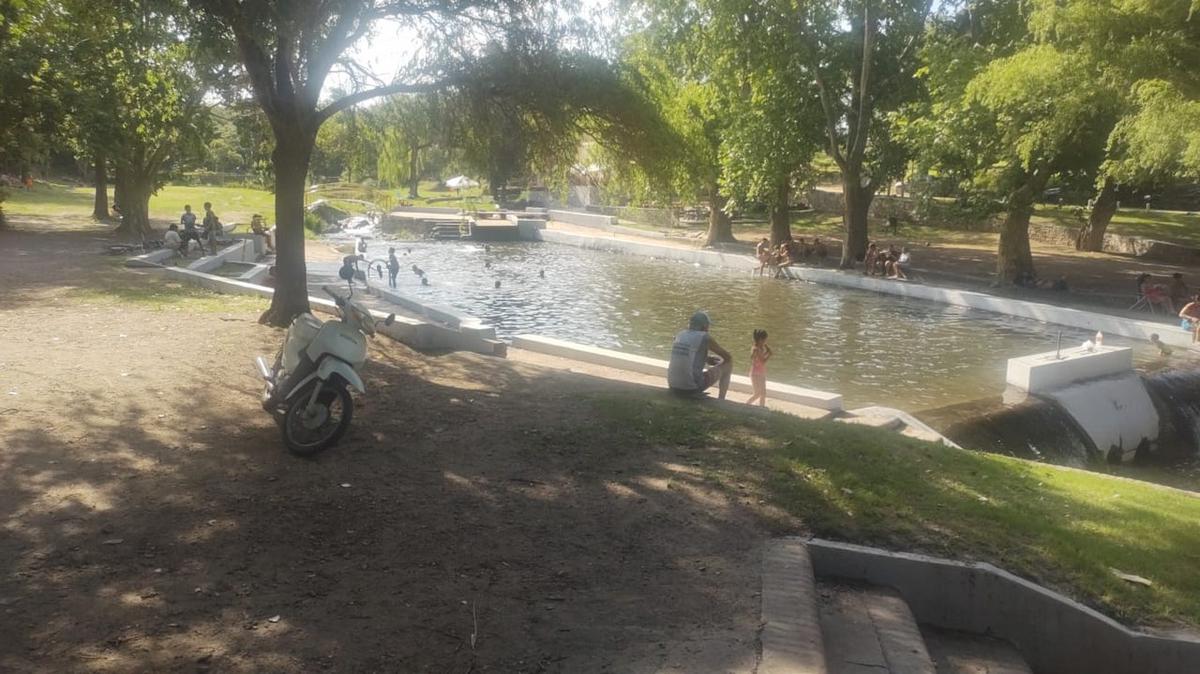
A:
(307, 432)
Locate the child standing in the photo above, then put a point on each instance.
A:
(393, 266)
(759, 356)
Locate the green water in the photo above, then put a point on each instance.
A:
(871, 348)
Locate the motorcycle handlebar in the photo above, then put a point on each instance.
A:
(336, 297)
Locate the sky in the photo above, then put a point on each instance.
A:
(391, 45)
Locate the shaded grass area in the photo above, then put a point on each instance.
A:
(1064, 528)
(1174, 226)
(151, 289)
(232, 204)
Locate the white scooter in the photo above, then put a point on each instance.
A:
(308, 387)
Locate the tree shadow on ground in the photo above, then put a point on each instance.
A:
(476, 517)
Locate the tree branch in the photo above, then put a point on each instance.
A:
(354, 99)
(830, 120)
(863, 127)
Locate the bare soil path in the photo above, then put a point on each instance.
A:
(474, 519)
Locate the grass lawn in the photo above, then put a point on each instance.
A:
(1174, 226)
(232, 204)
(1064, 528)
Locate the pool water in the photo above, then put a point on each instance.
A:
(871, 348)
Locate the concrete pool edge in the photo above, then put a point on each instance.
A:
(625, 361)
(1045, 313)
(416, 333)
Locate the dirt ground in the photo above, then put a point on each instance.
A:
(475, 518)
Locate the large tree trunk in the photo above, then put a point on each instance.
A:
(781, 223)
(856, 203)
(720, 225)
(414, 179)
(291, 156)
(1015, 259)
(1091, 236)
(119, 178)
(100, 203)
(135, 205)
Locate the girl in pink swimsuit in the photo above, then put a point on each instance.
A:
(759, 356)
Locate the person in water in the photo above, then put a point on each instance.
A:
(686, 372)
(393, 265)
(763, 252)
(759, 355)
(1163, 349)
(1190, 318)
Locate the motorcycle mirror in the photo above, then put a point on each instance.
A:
(390, 319)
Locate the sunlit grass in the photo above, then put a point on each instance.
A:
(1065, 528)
(1174, 226)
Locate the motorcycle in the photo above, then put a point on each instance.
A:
(308, 387)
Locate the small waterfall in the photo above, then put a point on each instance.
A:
(1036, 429)
(1176, 394)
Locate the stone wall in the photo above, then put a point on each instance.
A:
(659, 217)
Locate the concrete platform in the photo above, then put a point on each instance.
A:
(1047, 371)
(653, 366)
(656, 381)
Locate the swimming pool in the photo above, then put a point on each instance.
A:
(871, 348)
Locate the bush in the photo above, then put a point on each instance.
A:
(313, 222)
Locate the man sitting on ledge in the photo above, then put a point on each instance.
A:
(689, 354)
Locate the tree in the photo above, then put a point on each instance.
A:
(665, 60)
(288, 49)
(135, 98)
(408, 128)
(1142, 49)
(30, 91)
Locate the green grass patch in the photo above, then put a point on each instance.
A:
(232, 204)
(1173, 226)
(1064, 528)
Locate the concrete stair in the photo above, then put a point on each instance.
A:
(825, 626)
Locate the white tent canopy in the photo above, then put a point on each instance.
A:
(460, 182)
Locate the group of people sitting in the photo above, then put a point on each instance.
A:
(1163, 295)
(210, 231)
(789, 252)
(889, 263)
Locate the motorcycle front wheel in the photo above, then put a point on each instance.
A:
(308, 430)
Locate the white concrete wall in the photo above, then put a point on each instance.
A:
(241, 250)
(1054, 634)
(1115, 412)
(1046, 313)
(691, 255)
(154, 258)
(1045, 371)
(413, 332)
(653, 366)
(582, 219)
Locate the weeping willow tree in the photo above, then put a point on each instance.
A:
(531, 110)
(410, 129)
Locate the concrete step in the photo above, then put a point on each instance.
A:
(921, 433)
(791, 630)
(961, 653)
(870, 630)
(881, 422)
